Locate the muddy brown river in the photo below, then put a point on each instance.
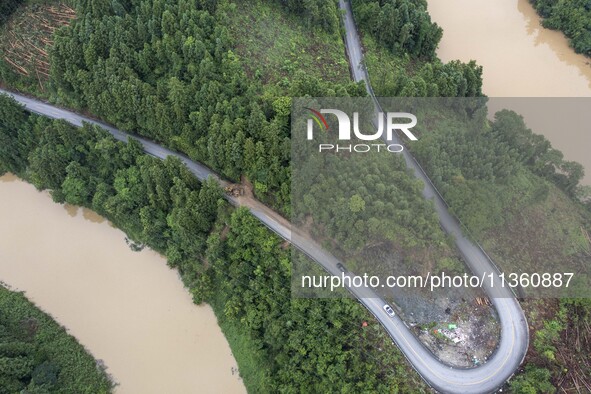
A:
(127, 308)
(131, 311)
(520, 58)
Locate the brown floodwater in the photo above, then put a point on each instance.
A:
(127, 308)
(520, 59)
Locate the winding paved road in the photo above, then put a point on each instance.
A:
(514, 331)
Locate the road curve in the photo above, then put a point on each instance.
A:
(484, 379)
(514, 329)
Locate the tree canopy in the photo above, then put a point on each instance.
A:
(573, 17)
(37, 355)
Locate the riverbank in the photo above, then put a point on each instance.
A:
(128, 308)
(37, 354)
(520, 58)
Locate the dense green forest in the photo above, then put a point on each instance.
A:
(573, 17)
(168, 71)
(280, 344)
(517, 197)
(132, 67)
(522, 187)
(159, 203)
(400, 26)
(362, 205)
(38, 356)
(306, 345)
(354, 197)
(176, 72)
(504, 165)
(400, 42)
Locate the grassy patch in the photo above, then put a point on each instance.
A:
(385, 70)
(253, 367)
(542, 237)
(274, 44)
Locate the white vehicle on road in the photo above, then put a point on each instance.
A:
(389, 310)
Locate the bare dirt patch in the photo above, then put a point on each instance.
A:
(458, 331)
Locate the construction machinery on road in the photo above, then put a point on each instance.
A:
(234, 190)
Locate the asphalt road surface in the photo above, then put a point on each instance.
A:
(514, 332)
